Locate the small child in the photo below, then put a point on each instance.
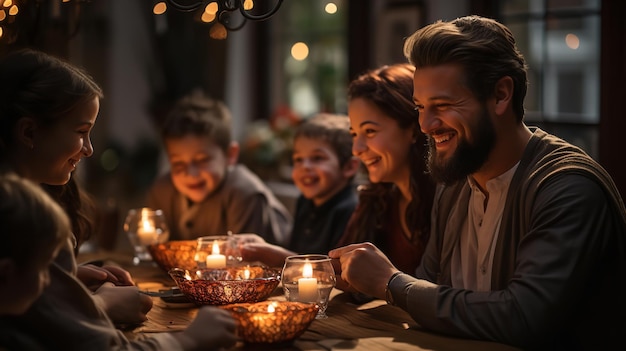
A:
(323, 170)
(206, 192)
(34, 227)
(34, 230)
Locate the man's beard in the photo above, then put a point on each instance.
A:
(467, 158)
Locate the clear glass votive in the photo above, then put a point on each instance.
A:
(144, 227)
(309, 278)
(217, 251)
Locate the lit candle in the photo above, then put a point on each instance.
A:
(215, 260)
(270, 308)
(246, 274)
(146, 232)
(307, 286)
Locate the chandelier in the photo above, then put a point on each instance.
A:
(227, 15)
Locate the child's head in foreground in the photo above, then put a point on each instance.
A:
(197, 139)
(322, 157)
(34, 227)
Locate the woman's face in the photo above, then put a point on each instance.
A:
(57, 149)
(379, 142)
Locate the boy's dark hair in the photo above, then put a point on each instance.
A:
(333, 129)
(200, 116)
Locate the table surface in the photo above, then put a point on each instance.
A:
(370, 326)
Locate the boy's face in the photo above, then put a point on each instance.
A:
(316, 170)
(197, 165)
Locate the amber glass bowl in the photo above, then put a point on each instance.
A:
(269, 322)
(174, 254)
(226, 285)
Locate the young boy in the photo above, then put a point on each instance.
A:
(206, 192)
(323, 169)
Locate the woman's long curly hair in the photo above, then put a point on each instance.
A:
(390, 88)
(45, 88)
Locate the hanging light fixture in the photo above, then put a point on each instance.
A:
(224, 13)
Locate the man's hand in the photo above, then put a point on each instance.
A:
(365, 268)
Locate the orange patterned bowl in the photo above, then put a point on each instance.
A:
(228, 285)
(174, 254)
(269, 322)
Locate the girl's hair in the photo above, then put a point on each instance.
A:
(485, 49)
(390, 88)
(32, 222)
(46, 89)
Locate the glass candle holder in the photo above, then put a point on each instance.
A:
(226, 285)
(271, 322)
(145, 227)
(217, 251)
(309, 278)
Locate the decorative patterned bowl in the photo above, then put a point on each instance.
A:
(174, 254)
(228, 285)
(269, 322)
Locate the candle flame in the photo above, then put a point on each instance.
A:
(307, 271)
(246, 274)
(146, 222)
(147, 226)
(216, 248)
(270, 308)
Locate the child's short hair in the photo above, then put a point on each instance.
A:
(32, 222)
(333, 129)
(200, 116)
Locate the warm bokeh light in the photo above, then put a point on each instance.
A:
(1, 31)
(13, 10)
(66, 0)
(3, 15)
(211, 8)
(572, 41)
(207, 17)
(299, 51)
(330, 8)
(218, 31)
(159, 8)
(109, 160)
(7, 3)
(248, 5)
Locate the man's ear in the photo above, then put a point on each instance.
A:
(351, 167)
(232, 154)
(25, 129)
(503, 94)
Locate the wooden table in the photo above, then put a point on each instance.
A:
(371, 326)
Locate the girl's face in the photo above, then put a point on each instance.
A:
(380, 143)
(197, 165)
(316, 170)
(57, 149)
